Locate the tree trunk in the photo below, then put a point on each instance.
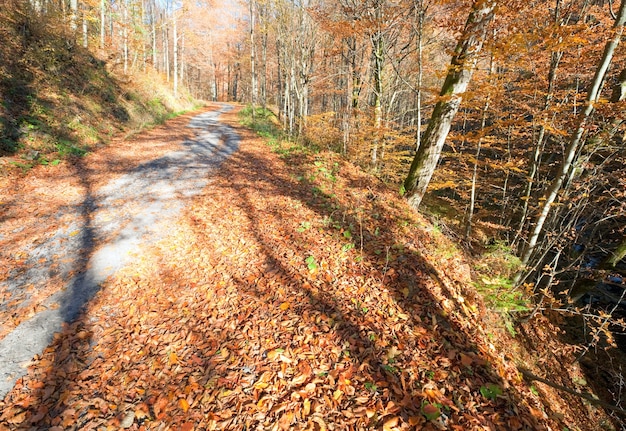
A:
(175, 42)
(253, 79)
(166, 51)
(125, 38)
(576, 137)
(102, 22)
(378, 54)
(73, 16)
(84, 24)
(181, 56)
(155, 57)
(419, 10)
(457, 80)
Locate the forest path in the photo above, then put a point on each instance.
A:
(294, 291)
(56, 256)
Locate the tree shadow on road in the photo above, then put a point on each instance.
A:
(285, 302)
(96, 248)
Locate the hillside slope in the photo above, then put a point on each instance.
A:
(296, 292)
(59, 99)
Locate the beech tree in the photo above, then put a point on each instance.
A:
(456, 82)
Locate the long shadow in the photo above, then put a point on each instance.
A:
(405, 274)
(159, 188)
(381, 352)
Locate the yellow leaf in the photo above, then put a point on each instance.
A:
(393, 352)
(224, 353)
(320, 422)
(285, 306)
(183, 404)
(299, 380)
(306, 408)
(173, 358)
(74, 232)
(337, 394)
(390, 424)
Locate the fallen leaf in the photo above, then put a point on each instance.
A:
(390, 423)
(184, 405)
(466, 360)
(128, 420)
(431, 411)
(187, 426)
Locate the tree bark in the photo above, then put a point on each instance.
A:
(253, 77)
(457, 80)
(84, 24)
(102, 22)
(175, 42)
(73, 16)
(378, 54)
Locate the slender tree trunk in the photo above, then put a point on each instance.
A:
(175, 42)
(253, 77)
(483, 121)
(111, 34)
(84, 24)
(264, 57)
(125, 37)
(420, 70)
(153, 38)
(576, 137)
(166, 52)
(144, 42)
(102, 22)
(458, 77)
(378, 53)
(182, 57)
(73, 16)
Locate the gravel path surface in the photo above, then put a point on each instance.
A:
(111, 225)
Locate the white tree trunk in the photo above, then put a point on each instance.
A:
(253, 77)
(102, 22)
(73, 15)
(175, 42)
(85, 34)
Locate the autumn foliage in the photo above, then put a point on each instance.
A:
(297, 292)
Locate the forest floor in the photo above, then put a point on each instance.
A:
(283, 290)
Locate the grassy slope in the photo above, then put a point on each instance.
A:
(59, 100)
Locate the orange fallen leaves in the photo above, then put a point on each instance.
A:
(221, 326)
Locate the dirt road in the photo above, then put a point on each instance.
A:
(72, 227)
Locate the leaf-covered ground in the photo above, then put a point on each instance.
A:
(295, 293)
